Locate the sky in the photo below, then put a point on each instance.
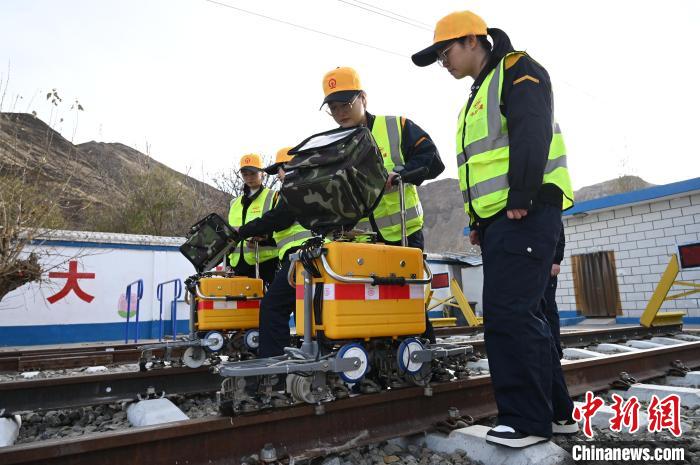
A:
(197, 84)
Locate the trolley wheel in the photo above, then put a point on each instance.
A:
(300, 388)
(354, 350)
(219, 339)
(251, 339)
(403, 355)
(194, 357)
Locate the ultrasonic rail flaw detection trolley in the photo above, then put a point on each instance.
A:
(224, 307)
(360, 306)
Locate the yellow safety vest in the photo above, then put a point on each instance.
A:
(293, 236)
(258, 207)
(386, 131)
(485, 149)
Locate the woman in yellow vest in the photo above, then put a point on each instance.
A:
(280, 299)
(404, 147)
(514, 179)
(254, 203)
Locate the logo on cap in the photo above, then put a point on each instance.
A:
(246, 160)
(332, 83)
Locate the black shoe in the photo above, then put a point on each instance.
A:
(506, 436)
(564, 427)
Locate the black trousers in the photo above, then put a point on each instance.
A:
(524, 363)
(275, 309)
(551, 312)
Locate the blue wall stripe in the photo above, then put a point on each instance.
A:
(569, 314)
(89, 332)
(624, 320)
(641, 195)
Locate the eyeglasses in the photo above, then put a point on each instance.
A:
(335, 107)
(442, 55)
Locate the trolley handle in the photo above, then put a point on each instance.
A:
(291, 275)
(409, 176)
(374, 280)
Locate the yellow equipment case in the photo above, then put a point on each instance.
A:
(240, 310)
(362, 310)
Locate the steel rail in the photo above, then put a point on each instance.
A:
(76, 391)
(580, 338)
(297, 430)
(75, 357)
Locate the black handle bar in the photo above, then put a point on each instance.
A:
(410, 176)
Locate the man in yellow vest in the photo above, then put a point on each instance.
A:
(255, 201)
(279, 301)
(514, 179)
(404, 147)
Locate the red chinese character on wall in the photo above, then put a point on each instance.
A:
(587, 411)
(626, 414)
(71, 277)
(665, 413)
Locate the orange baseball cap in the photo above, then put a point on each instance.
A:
(341, 85)
(282, 157)
(251, 161)
(453, 26)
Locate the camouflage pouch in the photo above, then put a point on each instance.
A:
(208, 242)
(335, 179)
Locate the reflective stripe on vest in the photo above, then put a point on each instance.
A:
(386, 131)
(293, 236)
(263, 202)
(391, 220)
(483, 145)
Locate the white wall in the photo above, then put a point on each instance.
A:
(642, 237)
(114, 268)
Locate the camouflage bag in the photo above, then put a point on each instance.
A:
(208, 242)
(335, 179)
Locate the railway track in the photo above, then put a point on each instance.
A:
(69, 357)
(300, 429)
(76, 357)
(76, 391)
(83, 390)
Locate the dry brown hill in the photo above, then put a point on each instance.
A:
(113, 187)
(104, 186)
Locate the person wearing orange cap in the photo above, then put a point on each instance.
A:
(404, 147)
(279, 301)
(255, 201)
(515, 183)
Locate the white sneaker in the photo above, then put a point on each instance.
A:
(565, 427)
(503, 435)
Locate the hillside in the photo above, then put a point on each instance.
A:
(112, 187)
(96, 182)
